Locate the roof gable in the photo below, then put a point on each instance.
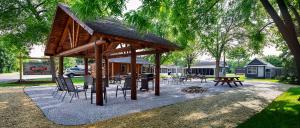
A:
(257, 61)
(69, 32)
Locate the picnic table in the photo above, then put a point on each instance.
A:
(228, 80)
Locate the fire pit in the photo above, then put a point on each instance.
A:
(194, 89)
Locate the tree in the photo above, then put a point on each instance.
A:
(7, 60)
(223, 26)
(238, 54)
(214, 24)
(24, 23)
(69, 62)
(93, 9)
(274, 60)
(190, 53)
(286, 25)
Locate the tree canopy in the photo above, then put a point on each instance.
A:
(236, 29)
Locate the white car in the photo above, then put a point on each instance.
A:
(74, 71)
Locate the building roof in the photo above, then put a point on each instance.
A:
(260, 62)
(128, 60)
(169, 66)
(69, 32)
(116, 28)
(207, 64)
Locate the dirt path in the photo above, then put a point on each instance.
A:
(224, 110)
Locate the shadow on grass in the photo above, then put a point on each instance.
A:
(284, 112)
(39, 82)
(27, 83)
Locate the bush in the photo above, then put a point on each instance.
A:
(7, 60)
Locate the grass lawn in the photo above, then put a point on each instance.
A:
(40, 82)
(283, 112)
(243, 78)
(207, 112)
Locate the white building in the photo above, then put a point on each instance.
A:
(207, 68)
(172, 69)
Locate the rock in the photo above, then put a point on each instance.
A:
(194, 89)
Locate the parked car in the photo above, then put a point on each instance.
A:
(75, 71)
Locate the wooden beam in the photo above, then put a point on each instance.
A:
(80, 48)
(112, 69)
(86, 66)
(133, 74)
(82, 24)
(106, 71)
(77, 35)
(99, 80)
(137, 53)
(61, 66)
(120, 50)
(157, 72)
(52, 68)
(70, 37)
(146, 44)
(65, 34)
(73, 33)
(112, 45)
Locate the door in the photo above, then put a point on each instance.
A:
(268, 73)
(260, 72)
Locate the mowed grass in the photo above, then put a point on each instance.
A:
(40, 82)
(244, 78)
(283, 112)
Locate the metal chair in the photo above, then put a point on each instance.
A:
(59, 87)
(93, 89)
(63, 85)
(126, 86)
(72, 89)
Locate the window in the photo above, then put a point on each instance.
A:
(173, 70)
(163, 70)
(75, 69)
(252, 70)
(123, 68)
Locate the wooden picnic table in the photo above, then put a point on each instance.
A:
(228, 80)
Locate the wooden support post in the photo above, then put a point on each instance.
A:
(86, 66)
(112, 69)
(52, 66)
(99, 83)
(157, 70)
(133, 74)
(106, 71)
(61, 66)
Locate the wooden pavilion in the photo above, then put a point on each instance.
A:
(102, 40)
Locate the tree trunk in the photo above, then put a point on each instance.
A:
(286, 28)
(217, 67)
(189, 68)
(188, 62)
(224, 65)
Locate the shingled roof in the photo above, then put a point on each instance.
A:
(114, 28)
(57, 43)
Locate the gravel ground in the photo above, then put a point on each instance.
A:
(17, 110)
(219, 106)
